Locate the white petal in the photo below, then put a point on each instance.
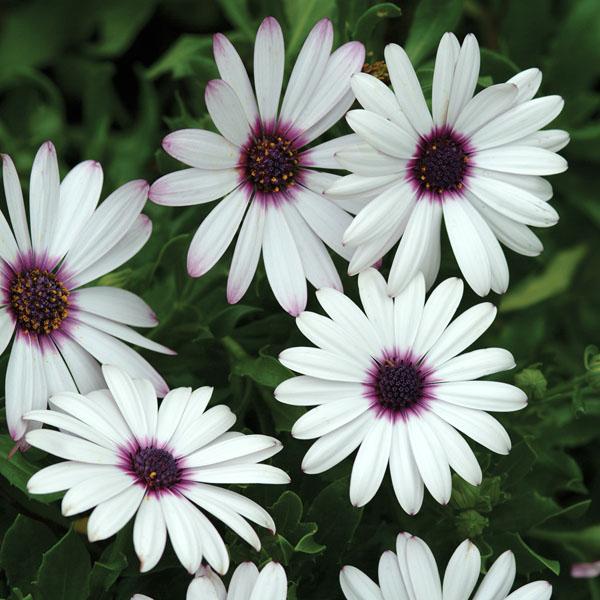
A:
(282, 263)
(64, 475)
(430, 458)
(116, 304)
(271, 583)
(322, 364)
(322, 156)
(307, 72)
(465, 77)
(240, 474)
(462, 332)
(462, 572)
(439, 309)
(371, 462)
(213, 547)
(112, 515)
(513, 202)
(528, 82)
(358, 185)
(193, 186)
(206, 585)
(357, 586)
(70, 447)
(107, 226)
(518, 122)
(310, 391)
(365, 160)
(485, 106)
(414, 245)
(79, 195)
(7, 328)
(467, 245)
(390, 578)
(443, 74)
(247, 252)
(408, 309)
(381, 133)
(329, 119)
(269, 57)
(9, 251)
(333, 89)
(538, 186)
(407, 88)
(475, 364)
(317, 264)
(334, 447)
(498, 580)
(93, 491)
(524, 160)
(242, 582)
(170, 413)
(407, 482)
(232, 70)
(378, 306)
(149, 533)
(476, 424)
(44, 199)
(494, 396)
(15, 204)
(82, 365)
(201, 149)
(122, 251)
(108, 350)
(550, 139)
(537, 590)
(226, 112)
(423, 570)
(215, 233)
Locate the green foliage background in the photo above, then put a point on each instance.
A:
(106, 79)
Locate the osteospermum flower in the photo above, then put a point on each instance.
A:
(246, 584)
(61, 331)
(473, 161)
(126, 457)
(412, 574)
(392, 380)
(261, 166)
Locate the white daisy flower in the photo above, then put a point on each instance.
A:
(127, 457)
(63, 332)
(412, 574)
(474, 161)
(392, 380)
(246, 584)
(260, 164)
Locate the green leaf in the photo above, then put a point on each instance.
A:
(373, 17)
(65, 570)
(189, 55)
(110, 565)
(556, 279)
(533, 382)
(432, 19)
(21, 551)
(302, 17)
(527, 558)
(265, 370)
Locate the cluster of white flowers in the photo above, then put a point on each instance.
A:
(391, 379)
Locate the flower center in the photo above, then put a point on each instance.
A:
(271, 163)
(441, 163)
(156, 468)
(39, 301)
(399, 385)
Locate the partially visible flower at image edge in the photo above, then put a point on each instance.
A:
(474, 162)
(260, 165)
(412, 574)
(392, 381)
(62, 330)
(247, 583)
(125, 456)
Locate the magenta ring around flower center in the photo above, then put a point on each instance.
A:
(399, 385)
(441, 165)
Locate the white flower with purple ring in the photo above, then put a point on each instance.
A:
(260, 165)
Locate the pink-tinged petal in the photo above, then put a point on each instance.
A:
(127, 247)
(226, 111)
(201, 149)
(215, 233)
(15, 203)
(308, 71)
(246, 253)
(107, 226)
(79, 195)
(193, 186)
(232, 70)
(43, 198)
(333, 86)
(269, 58)
(282, 263)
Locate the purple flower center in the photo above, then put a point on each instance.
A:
(39, 301)
(156, 468)
(271, 163)
(441, 163)
(399, 385)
